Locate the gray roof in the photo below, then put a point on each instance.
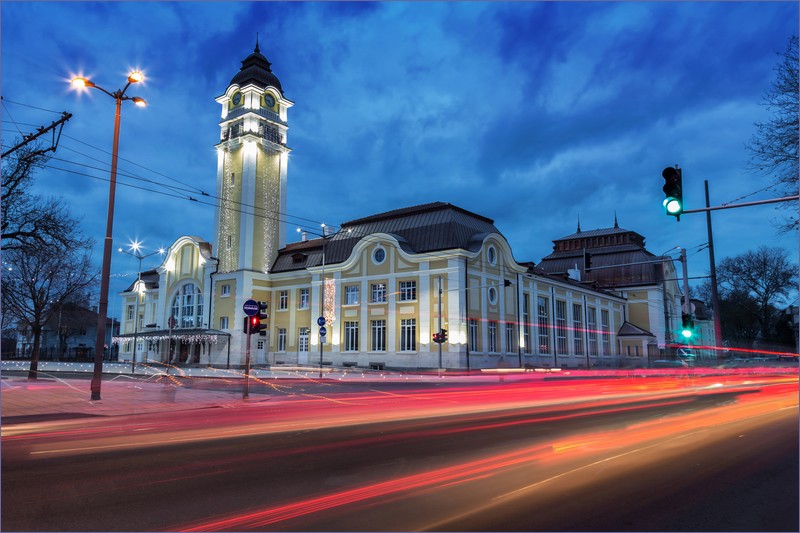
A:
(256, 70)
(637, 266)
(419, 229)
(631, 330)
(150, 279)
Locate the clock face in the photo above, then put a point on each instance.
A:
(269, 101)
(237, 98)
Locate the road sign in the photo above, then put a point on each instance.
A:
(321, 322)
(322, 331)
(250, 307)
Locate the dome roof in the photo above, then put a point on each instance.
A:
(256, 70)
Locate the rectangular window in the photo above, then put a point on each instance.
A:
(303, 297)
(492, 337)
(591, 326)
(378, 292)
(606, 332)
(223, 323)
(561, 327)
(281, 339)
(510, 344)
(226, 290)
(378, 335)
(526, 324)
(577, 328)
(130, 312)
(351, 295)
(408, 291)
(543, 323)
(473, 335)
(408, 334)
(351, 336)
(283, 300)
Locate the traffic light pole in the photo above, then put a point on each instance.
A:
(687, 302)
(440, 323)
(246, 391)
(713, 274)
(745, 204)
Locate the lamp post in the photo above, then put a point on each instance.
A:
(325, 237)
(118, 96)
(136, 247)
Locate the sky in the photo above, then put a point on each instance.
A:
(537, 115)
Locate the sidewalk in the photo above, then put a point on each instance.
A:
(149, 390)
(53, 398)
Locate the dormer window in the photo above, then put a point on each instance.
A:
(298, 258)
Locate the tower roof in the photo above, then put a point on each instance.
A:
(256, 70)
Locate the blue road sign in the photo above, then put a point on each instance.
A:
(323, 331)
(250, 307)
(321, 321)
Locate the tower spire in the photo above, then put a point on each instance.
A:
(257, 50)
(579, 223)
(616, 224)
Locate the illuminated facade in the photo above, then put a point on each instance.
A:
(385, 283)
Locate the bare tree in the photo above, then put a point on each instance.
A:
(27, 219)
(774, 145)
(35, 278)
(758, 282)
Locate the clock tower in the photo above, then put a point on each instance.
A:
(251, 169)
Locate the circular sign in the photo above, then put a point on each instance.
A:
(321, 321)
(323, 331)
(250, 307)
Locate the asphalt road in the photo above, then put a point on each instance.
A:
(606, 456)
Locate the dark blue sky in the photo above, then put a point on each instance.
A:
(532, 114)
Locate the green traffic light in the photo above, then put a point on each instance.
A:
(687, 333)
(673, 206)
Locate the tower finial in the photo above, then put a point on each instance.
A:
(257, 50)
(579, 223)
(616, 224)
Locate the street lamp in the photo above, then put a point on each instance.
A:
(118, 96)
(136, 247)
(326, 235)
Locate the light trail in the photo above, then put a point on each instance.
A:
(622, 442)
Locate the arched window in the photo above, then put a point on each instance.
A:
(187, 307)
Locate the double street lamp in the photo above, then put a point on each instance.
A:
(119, 96)
(135, 251)
(326, 235)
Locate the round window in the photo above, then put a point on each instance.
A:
(492, 255)
(492, 295)
(379, 255)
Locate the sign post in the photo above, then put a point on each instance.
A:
(322, 333)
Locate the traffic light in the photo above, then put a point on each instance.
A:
(258, 323)
(687, 326)
(673, 191)
(443, 335)
(437, 338)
